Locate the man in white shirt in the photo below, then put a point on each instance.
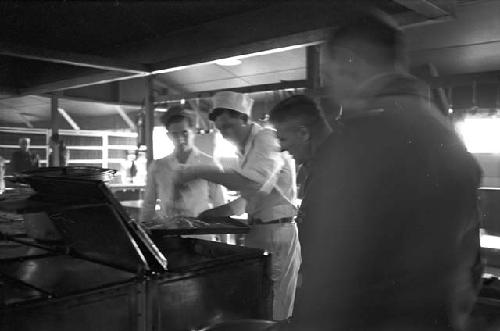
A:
(186, 200)
(266, 180)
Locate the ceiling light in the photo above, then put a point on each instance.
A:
(228, 62)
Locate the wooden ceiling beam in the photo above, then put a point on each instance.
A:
(69, 58)
(292, 84)
(94, 79)
(94, 100)
(431, 9)
(490, 77)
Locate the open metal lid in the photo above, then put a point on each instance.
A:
(94, 225)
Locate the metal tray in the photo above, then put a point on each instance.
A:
(218, 225)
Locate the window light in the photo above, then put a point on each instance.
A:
(480, 134)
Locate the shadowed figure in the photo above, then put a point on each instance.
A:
(392, 235)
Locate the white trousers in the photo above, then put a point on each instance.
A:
(282, 241)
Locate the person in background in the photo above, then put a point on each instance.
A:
(266, 179)
(23, 159)
(391, 205)
(190, 199)
(59, 154)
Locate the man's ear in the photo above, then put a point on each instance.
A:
(304, 133)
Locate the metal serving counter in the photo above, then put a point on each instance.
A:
(108, 274)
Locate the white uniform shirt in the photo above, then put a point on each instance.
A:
(263, 163)
(193, 198)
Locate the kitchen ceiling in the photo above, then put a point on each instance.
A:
(61, 46)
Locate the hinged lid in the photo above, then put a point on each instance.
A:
(94, 225)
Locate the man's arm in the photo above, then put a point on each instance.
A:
(235, 207)
(230, 179)
(215, 194)
(259, 168)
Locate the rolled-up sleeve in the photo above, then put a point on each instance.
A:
(263, 160)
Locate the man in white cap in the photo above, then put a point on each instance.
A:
(265, 178)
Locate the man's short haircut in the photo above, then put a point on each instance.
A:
(300, 108)
(371, 36)
(177, 114)
(231, 112)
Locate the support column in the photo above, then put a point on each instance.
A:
(54, 114)
(105, 151)
(54, 127)
(149, 118)
(313, 69)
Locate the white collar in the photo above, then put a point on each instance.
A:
(256, 128)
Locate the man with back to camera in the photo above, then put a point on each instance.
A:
(23, 159)
(392, 231)
(186, 200)
(265, 178)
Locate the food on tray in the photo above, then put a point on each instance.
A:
(182, 222)
(177, 222)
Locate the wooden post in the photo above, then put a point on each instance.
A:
(313, 73)
(105, 151)
(149, 119)
(54, 126)
(54, 112)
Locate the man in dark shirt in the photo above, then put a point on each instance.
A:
(392, 231)
(23, 159)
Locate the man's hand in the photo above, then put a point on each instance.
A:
(209, 213)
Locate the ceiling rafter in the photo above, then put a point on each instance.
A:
(70, 58)
(294, 84)
(75, 82)
(431, 9)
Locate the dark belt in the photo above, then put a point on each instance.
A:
(256, 221)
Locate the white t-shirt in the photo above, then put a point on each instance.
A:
(194, 197)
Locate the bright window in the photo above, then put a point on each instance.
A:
(480, 134)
